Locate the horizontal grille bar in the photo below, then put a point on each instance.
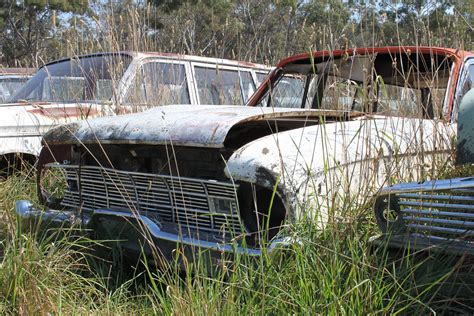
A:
(440, 229)
(427, 203)
(187, 202)
(438, 213)
(442, 209)
(437, 197)
(442, 221)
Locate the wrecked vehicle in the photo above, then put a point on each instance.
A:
(101, 84)
(325, 128)
(433, 215)
(11, 79)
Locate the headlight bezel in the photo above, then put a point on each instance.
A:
(49, 160)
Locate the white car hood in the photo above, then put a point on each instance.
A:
(184, 125)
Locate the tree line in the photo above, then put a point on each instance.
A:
(33, 32)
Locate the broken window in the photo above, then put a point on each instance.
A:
(288, 93)
(400, 84)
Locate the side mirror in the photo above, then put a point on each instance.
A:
(465, 137)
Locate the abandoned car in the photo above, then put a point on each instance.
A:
(433, 215)
(324, 131)
(110, 83)
(11, 79)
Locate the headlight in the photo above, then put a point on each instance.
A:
(52, 184)
(388, 214)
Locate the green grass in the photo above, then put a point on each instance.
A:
(333, 272)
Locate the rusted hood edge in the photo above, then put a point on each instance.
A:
(202, 126)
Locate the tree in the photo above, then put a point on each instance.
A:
(413, 22)
(27, 27)
(263, 31)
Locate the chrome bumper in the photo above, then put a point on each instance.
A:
(28, 214)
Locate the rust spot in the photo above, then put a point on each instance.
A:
(265, 151)
(56, 113)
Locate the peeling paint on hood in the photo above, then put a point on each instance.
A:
(202, 126)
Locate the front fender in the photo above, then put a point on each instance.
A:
(326, 169)
(20, 145)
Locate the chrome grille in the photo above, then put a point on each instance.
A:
(184, 201)
(442, 209)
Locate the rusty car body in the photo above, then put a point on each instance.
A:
(323, 128)
(101, 84)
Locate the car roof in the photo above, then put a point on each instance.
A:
(378, 50)
(172, 56)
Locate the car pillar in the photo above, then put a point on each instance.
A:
(465, 134)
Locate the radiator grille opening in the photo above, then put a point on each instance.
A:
(445, 211)
(202, 205)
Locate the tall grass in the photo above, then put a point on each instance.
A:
(334, 271)
(329, 272)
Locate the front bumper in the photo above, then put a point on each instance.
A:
(128, 228)
(416, 243)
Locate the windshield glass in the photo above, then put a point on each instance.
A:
(399, 85)
(92, 78)
(8, 86)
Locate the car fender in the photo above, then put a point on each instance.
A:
(317, 163)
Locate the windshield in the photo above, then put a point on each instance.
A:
(410, 86)
(93, 78)
(8, 86)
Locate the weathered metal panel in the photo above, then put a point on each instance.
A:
(341, 157)
(203, 126)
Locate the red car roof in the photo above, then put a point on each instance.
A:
(454, 53)
(372, 50)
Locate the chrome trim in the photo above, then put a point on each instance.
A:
(26, 211)
(442, 209)
(185, 201)
(156, 232)
(428, 186)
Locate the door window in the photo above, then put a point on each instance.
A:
(159, 83)
(223, 86)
